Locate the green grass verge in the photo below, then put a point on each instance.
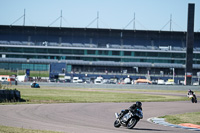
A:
(193, 118)
(5, 129)
(68, 95)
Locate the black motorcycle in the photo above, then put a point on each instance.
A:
(130, 119)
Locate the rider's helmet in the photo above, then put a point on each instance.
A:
(189, 90)
(139, 104)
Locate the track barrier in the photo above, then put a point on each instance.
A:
(9, 95)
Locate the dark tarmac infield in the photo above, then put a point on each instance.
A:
(90, 117)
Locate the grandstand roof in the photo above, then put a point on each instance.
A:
(101, 37)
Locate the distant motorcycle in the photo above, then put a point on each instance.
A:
(130, 119)
(35, 85)
(193, 98)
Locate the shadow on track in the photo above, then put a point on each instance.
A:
(147, 129)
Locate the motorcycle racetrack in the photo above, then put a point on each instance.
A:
(90, 117)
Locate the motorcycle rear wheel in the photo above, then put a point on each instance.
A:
(131, 123)
(117, 124)
(193, 100)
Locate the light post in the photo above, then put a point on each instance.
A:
(136, 69)
(173, 72)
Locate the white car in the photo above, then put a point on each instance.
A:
(75, 79)
(98, 80)
(161, 82)
(196, 83)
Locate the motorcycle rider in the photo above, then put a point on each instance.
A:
(33, 84)
(138, 104)
(190, 92)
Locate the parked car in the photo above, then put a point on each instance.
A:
(161, 82)
(170, 82)
(142, 81)
(75, 79)
(98, 80)
(196, 83)
(127, 81)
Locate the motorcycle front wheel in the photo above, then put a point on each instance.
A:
(131, 123)
(117, 124)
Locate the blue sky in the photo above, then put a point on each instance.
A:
(113, 14)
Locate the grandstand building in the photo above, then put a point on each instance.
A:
(96, 50)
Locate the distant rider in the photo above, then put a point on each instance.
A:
(33, 84)
(131, 108)
(190, 92)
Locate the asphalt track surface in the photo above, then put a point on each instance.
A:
(90, 117)
(94, 117)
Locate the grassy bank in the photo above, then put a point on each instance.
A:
(193, 118)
